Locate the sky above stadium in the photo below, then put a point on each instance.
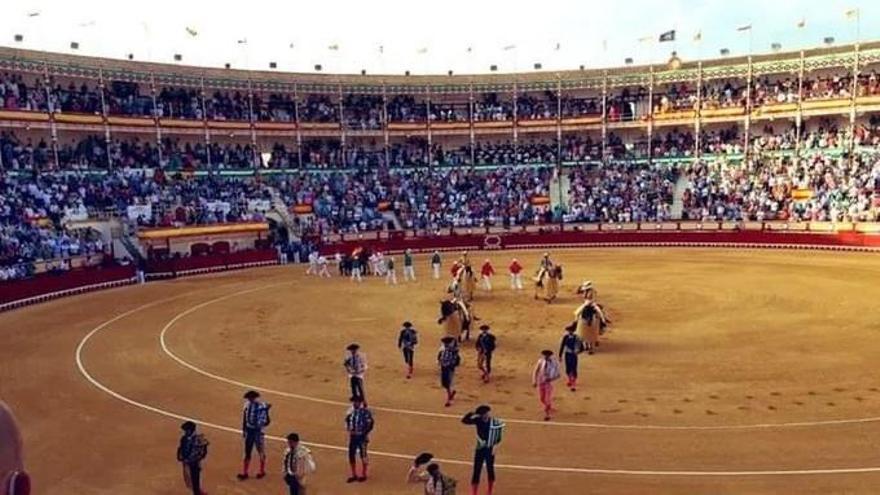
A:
(466, 36)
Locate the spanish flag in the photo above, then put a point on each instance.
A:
(801, 194)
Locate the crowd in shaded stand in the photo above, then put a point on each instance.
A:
(274, 108)
(537, 107)
(319, 108)
(492, 107)
(322, 153)
(579, 107)
(721, 141)
(24, 153)
(449, 112)
(404, 108)
(363, 112)
(18, 93)
(92, 152)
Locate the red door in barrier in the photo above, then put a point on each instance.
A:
(200, 249)
(220, 247)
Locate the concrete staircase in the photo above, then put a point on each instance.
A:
(559, 186)
(390, 216)
(279, 207)
(126, 241)
(678, 197)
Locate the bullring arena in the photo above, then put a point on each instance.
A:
(727, 371)
(189, 192)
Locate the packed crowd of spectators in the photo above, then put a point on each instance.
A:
(24, 153)
(834, 189)
(89, 151)
(416, 152)
(621, 193)
(426, 185)
(93, 152)
(365, 112)
(17, 93)
(34, 207)
(537, 106)
(420, 198)
(32, 213)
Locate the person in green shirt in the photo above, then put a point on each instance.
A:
(409, 271)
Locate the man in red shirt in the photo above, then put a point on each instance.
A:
(486, 272)
(515, 275)
(454, 269)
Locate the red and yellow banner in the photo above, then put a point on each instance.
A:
(801, 194)
(235, 228)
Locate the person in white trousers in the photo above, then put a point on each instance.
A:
(435, 264)
(515, 275)
(409, 271)
(390, 272)
(323, 267)
(313, 263)
(486, 273)
(356, 269)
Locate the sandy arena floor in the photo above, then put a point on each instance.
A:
(726, 372)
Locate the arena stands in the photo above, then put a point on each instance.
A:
(621, 193)
(453, 153)
(762, 190)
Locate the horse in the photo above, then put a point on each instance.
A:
(456, 318)
(590, 321)
(468, 282)
(549, 282)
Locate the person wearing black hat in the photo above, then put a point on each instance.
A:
(254, 417)
(359, 423)
(569, 348)
(435, 264)
(417, 473)
(489, 430)
(298, 464)
(356, 366)
(448, 358)
(428, 473)
(485, 345)
(545, 373)
(407, 342)
(191, 451)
